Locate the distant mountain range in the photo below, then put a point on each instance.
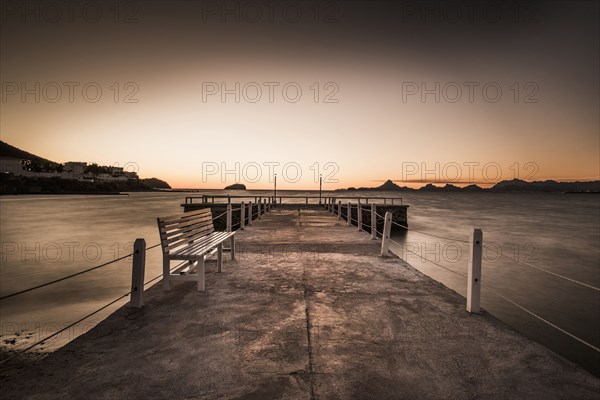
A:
(515, 185)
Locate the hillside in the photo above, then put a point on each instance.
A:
(29, 182)
(6, 150)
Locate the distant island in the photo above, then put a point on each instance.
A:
(236, 186)
(22, 172)
(514, 185)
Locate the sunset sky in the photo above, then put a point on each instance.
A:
(367, 59)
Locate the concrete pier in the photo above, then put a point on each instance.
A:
(399, 212)
(308, 310)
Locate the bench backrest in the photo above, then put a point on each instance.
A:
(181, 229)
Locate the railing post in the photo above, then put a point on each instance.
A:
(339, 209)
(266, 207)
(474, 273)
(387, 228)
(137, 274)
(242, 216)
(250, 213)
(228, 217)
(258, 209)
(349, 216)
(359, 217)
(373, 222)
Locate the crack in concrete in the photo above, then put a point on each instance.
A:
(308, 334)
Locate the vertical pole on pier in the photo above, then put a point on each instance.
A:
(258, 209)
(349, 216)
(373, 222)
(385, 240)
(359, 216)
(242, 216)
(229, 217)
(250, 213)
(266, 207)
(137, 274)
(339, 210)
(474, 273)
(320, 187)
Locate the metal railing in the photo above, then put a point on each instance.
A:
(291, 199)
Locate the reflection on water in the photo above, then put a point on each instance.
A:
(46, 237)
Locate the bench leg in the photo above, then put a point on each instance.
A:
(166, 273)
(220, 258)
(200, 274)
(233, 247)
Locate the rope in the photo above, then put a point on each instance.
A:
(545, 270)
(64, 329)
(430, 234)
(542, 319)
(76, 322)
(380, 216)
(432, 262)
(511, 301)
(72, 275)
(219, 216)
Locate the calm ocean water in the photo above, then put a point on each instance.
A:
(46, 237)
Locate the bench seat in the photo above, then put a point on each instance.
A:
(190, 237)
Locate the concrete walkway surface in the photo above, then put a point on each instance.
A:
(308, 310)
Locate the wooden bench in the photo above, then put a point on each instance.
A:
(191, 238)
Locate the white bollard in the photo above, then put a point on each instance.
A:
(349, 216)
(359, 217)
(137, 274)
(228, 217)
(373, 222)
(474, 273)
(242, 216)
(250, 213)
(385, 240)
